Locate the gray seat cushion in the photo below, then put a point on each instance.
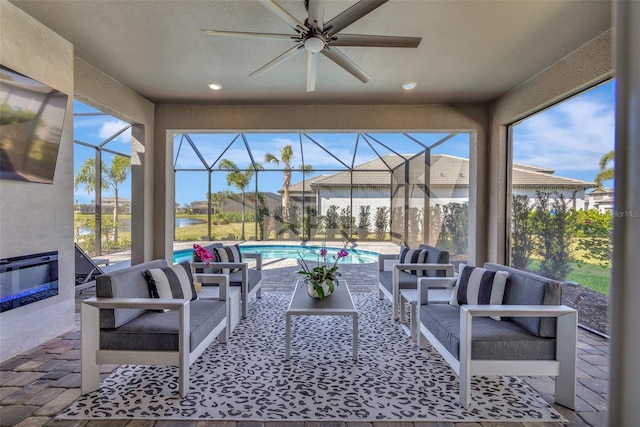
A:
(125, 283)
(491, 339)
(158, 331)
(407, 280)
(235, 278)
(530, 289)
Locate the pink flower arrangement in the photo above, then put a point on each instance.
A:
(204, 254)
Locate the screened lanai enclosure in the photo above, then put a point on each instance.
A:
(407, 188)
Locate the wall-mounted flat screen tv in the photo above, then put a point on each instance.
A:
(31, 120)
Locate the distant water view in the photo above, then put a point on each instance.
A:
(186, 222)
(125, 225)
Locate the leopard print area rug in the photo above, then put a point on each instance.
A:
(248, 378)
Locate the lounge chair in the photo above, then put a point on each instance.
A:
(87, 269)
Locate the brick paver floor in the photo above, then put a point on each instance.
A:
(38, 384)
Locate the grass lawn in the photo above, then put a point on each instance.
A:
(218, 232)
(589, 275)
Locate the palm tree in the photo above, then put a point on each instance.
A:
(217, 200)
(112, 176)
(286, 155)
(240, 180)
(606, 172)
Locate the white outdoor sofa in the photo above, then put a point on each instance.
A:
(248, 279)
(536, 335)
(123, 325)
(405, 275)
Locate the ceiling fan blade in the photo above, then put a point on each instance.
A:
(291, 20)
(272, 36)
(312, 71)
(374, 41)
(341, 59)
(279, 60)
(352, 14)
(316, 14)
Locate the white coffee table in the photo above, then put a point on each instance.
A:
(339, 303)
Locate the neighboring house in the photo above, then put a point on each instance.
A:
(601, 199)
(302, 190)
(448, 183)
(108, 203)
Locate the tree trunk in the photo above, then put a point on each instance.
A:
(243, 197)
(115, 217)
(285, 196)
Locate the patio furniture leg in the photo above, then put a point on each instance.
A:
(567, 356)
(412, 320)
(465, 359)
(90, 335)
(355, 336)
(244, 295)
(183, 365)
(288, 338)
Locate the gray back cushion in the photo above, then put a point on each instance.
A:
(530, 289)
(125, 283)
(435, 256)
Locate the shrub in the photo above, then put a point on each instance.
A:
(310, 222)
(522, 232)
(455, 228)
(552, 219)
(331, 222)
(346, 223)
(363, 222)
(381, 220)
(594, 233)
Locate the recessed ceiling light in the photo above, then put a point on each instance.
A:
(215, 86)
(409, 85)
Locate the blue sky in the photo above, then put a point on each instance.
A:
(569, 138)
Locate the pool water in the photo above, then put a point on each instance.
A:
(310, 253)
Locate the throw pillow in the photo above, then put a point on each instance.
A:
(412, 256)
(171, 282)
(228, 254)
(478, 286)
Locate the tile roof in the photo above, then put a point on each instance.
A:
(297, 187)
(446, 170)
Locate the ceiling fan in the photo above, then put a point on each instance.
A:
(315, 36)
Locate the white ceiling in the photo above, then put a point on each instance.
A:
(471, 51)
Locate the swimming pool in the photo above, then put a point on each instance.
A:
(311, 253)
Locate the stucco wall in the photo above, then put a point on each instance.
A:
(38, 217)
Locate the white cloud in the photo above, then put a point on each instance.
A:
(572, 136)
(111, 127)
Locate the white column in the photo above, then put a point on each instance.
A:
(625, 287)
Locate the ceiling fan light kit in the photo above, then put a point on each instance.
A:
(314, 43)
(317, 36)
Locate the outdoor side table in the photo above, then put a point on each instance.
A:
(410, 297)
(340, 303)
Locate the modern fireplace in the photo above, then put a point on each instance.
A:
(27, 279)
